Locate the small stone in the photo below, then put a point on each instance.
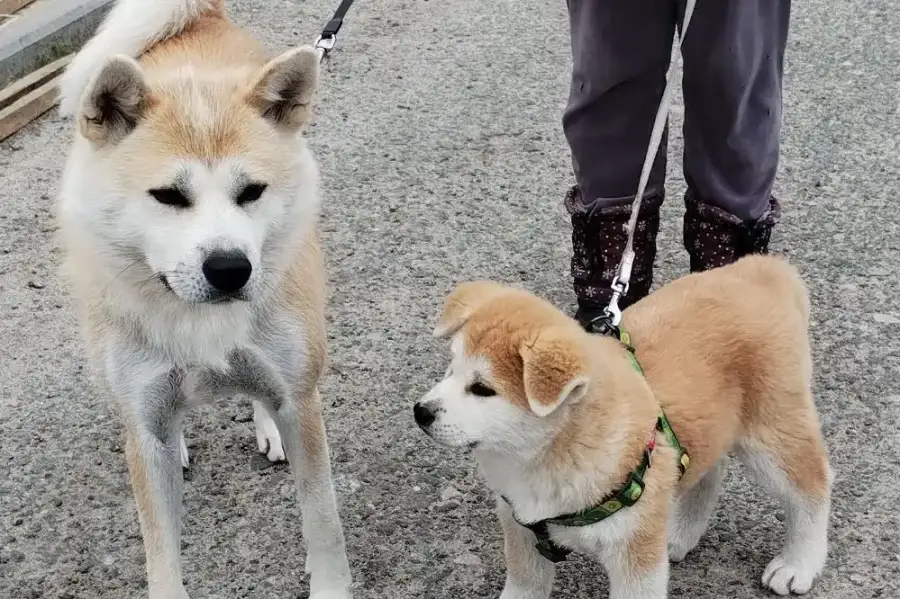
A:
(886, 319)
(468, 559)
(35, 285)
(450, 493)
(857, 578)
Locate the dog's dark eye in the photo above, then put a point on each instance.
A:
(481, 390)
(250, 193)
(170, 197)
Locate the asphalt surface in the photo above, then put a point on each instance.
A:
(438, 131)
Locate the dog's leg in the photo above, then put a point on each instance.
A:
(528, 574)
(302, 428)
(268, 438)
(692, 511)
(153, 448)
(303, 433)
(791, 464)
(640, 569)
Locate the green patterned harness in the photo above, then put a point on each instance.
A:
(625, 496)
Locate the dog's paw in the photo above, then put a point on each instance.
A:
(185, 457)
(679, 550)
(268, 439)
(332, 594)
(515, 593)
(785, 576)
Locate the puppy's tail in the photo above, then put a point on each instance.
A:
(130, 28)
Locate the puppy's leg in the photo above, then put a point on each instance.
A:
(640, 569)
(528, 574)
(303, 433)
(692, 511)
(268, 438)
(790, 462)
(153, 451)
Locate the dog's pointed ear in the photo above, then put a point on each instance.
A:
(554, 369)
(114, 101)
(283, 91)
(462, 302)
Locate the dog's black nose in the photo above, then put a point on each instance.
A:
(423, 415)
(227, 271)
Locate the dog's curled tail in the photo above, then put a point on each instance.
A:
(130, 28)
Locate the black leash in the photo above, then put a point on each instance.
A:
(328, 38)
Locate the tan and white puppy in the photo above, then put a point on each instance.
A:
(558, 418)
(188, 213)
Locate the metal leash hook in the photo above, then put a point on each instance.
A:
(324, 45)
(608, 322)
(327, 40)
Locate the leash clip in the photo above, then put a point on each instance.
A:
(612, 313)
(325, 44)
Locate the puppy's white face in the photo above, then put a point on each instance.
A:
(468, 408)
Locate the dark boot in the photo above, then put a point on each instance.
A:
(714, 237)
(598, 241)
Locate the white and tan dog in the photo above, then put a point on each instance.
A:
(558, 418)
(188, 213)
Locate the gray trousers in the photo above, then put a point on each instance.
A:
(733, 65)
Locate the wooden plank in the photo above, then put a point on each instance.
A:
(32, 81)
(27, 108)
(8, 7)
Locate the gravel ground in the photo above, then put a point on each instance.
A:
(439, 138)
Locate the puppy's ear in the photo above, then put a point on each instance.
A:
(554, 368)
(114, 101)
(283, 91)
(462, 302)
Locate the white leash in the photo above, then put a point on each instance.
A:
(619, 286)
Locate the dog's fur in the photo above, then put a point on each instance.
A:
(172, 95)
(726, 354)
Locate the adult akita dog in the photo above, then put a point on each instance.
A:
(188, 213)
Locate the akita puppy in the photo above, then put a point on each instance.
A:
(188, 213)
(585, 452)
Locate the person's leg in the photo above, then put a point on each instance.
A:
(733, 66)
(621, 52)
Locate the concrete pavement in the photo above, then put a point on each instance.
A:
(443, 160)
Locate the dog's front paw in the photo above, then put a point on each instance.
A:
(517, 592)
(332, 594)
(785, 576)
(268, 439)
(678, 551)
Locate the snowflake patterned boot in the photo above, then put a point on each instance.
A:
(599, 236)
(714, 237)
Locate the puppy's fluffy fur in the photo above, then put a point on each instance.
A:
(188, 144)
(726, 355)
